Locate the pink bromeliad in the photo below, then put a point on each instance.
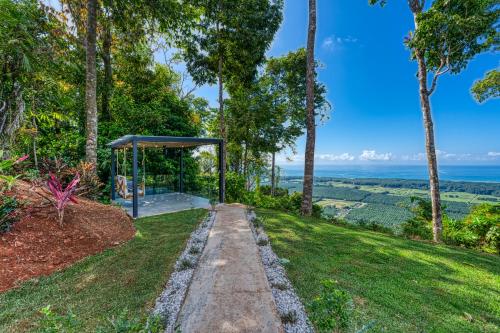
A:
(62, 196)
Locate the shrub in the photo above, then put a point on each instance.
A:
(331, 310)
(8, 212)
(235, 187)
(7, 180)
(484, 222)
(420, 225)
(278, 191)
(90, 186)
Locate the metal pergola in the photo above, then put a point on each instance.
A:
(136, 141)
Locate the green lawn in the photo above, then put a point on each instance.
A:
(404, 285)
(128, 277)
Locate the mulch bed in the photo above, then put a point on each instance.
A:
(36, 245)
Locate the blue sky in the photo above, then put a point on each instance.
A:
(374, 92)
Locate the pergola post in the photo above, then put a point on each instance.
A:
(113, 169)
(135, 194)
(181, 171)
(221, 172)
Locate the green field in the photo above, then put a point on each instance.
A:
(385, 202)
(101, 287)
(399, 285)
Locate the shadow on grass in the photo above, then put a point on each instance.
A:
(404, 285)
(129, 276)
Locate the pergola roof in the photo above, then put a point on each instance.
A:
(126, 141)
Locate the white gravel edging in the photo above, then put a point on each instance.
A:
(289, 306)
(168, 304)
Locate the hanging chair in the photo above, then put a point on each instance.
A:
(122, 184)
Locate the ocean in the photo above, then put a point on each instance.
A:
(483, 173)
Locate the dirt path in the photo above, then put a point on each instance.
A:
(229, 291)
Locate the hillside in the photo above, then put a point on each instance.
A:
(397, 285)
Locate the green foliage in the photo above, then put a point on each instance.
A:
(331, 310)
(53, 322)
(488, 87)
(479, 229)
(235, 187)
(227, 30)
(420, 225)
(9, 207)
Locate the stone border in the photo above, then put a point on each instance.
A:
(288, 304)
(169, 303)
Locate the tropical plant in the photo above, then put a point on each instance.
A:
(9, 207)
(61, 197)
(331, 310)
(7, 180)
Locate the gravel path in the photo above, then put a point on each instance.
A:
(229, 290)
(289, 306)
(170, 301)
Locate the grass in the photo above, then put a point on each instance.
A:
(128, 277)
(404, 285)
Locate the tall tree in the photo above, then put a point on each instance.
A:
(229, 43)
(286, 84)
(91, 84)
(446, 36)
(307, 191)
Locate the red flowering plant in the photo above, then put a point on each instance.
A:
(62, 196)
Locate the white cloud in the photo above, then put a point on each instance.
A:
(414, 157)
(332, 42)
(494, 154)
(452, 156)
(371, 155)
(341, 157)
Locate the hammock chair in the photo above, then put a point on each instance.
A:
(122, 185)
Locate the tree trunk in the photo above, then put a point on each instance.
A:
(273, 175)
(108, 71)
(307, 191)
(91, 84)
(222, 124)
(437, 223)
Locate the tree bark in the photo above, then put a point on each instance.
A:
(91, 84)
(437, 222)
(222, 123)
(108, 71)
(307, 191)
(273, 174)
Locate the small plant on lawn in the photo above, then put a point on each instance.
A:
(62, 196)
(8, 212)
(123, 323)
(55, 323)
(331, 310)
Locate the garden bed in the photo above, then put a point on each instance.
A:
(36, 245)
